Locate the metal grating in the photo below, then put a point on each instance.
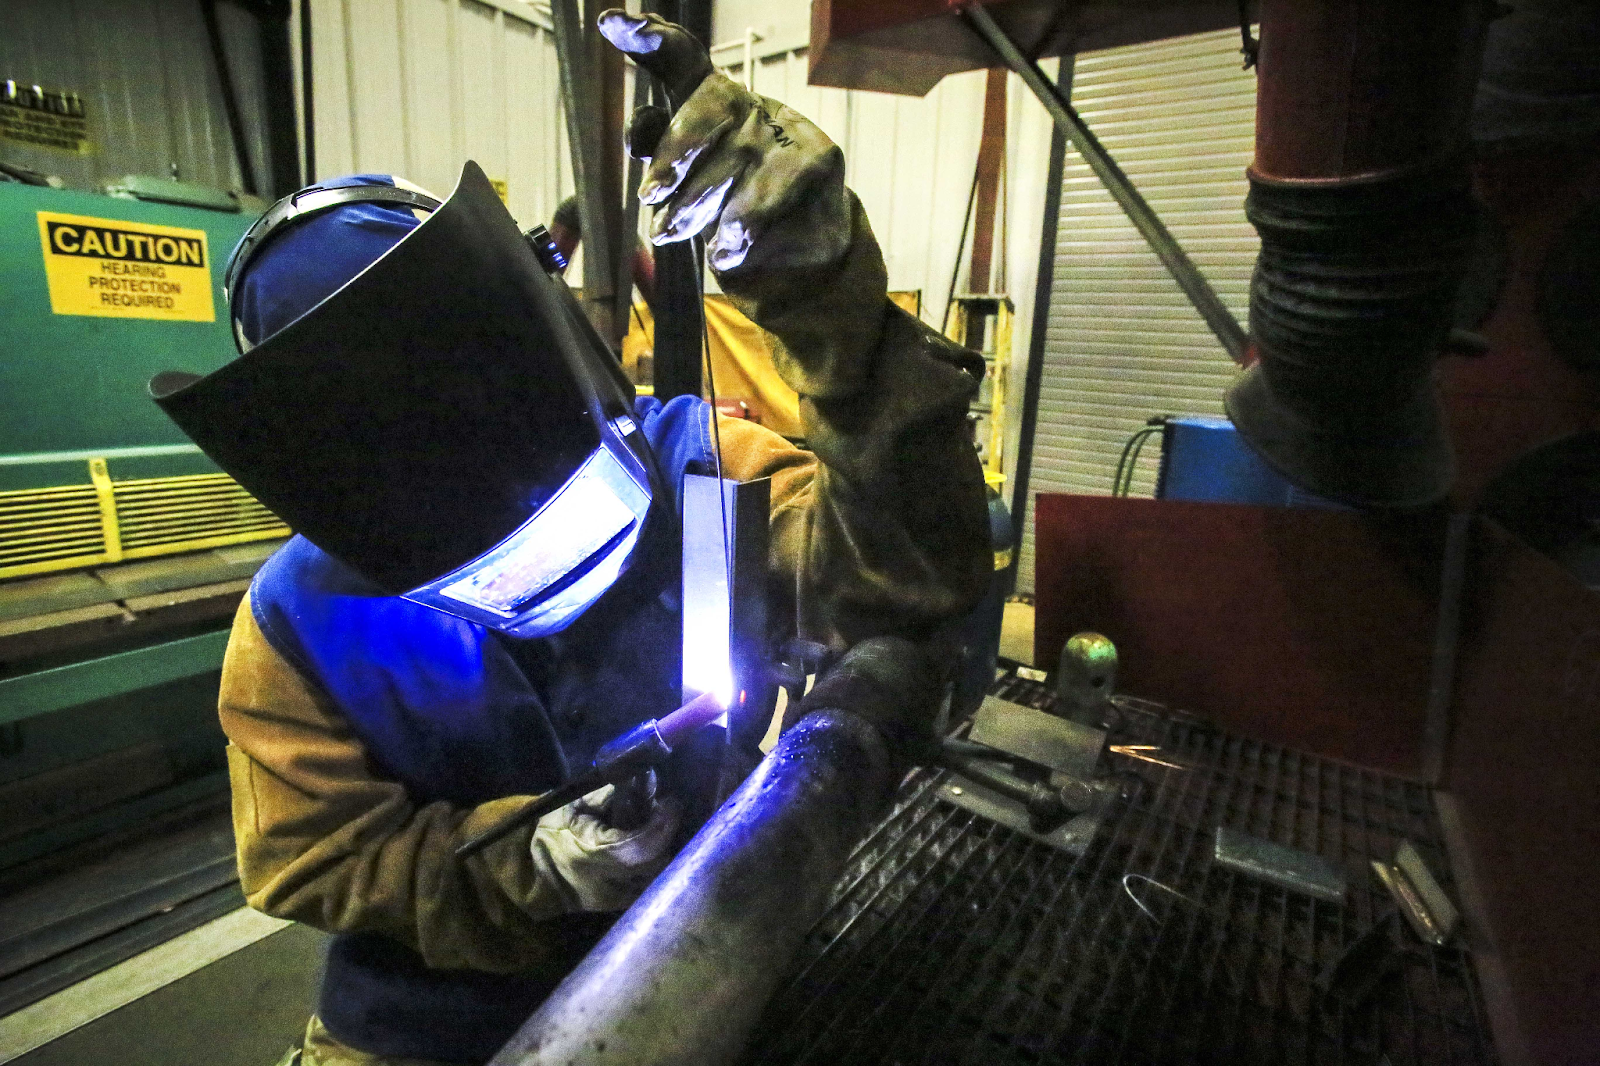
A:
(952, 939)
(44, 530)
(159, 512)
(40, 526)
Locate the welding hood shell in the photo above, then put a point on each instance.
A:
(426, 411)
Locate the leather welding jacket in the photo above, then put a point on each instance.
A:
(369, 736)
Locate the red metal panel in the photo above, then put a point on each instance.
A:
(906, 46)
(1520, 394)
(1524, 782)
(1312, 629)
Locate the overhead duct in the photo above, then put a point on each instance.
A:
(1360, 192)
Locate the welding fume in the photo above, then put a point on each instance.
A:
(486, 588)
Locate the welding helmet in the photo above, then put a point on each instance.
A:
(432, 409)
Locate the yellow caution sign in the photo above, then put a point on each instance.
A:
(109, 268)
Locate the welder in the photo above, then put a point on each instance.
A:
(484, 587)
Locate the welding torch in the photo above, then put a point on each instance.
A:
(645, 745)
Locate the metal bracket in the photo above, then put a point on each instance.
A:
(1073, 837)
(1038, 737)
(725, 531)
(1426, 908)
(1288, 868)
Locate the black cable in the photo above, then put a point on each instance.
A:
(1249, 47)
(1133, 461)
(1123, 473)
(1122, 479)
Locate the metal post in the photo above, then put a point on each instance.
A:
(580, 104)
(308, 116)
(1139, 212)
(683, 976)
(628, 245)
(277, 68)
(1044, 283)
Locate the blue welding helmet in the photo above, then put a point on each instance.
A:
(442, 419)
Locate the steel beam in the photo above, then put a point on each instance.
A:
(1139, 212)
(43, 691)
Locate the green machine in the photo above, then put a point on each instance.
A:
(97, 294)
(123, 550)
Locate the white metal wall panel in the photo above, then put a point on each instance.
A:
(429, 99)
(1123, 341)
(145, 71)
(417, 87)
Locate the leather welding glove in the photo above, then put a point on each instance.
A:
(595, 866)
(892, 683)
(789, 244)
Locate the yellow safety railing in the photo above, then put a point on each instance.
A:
(109, 521)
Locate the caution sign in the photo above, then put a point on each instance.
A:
(115, 269)
(44, 118)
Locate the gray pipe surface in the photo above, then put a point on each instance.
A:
(684, 974)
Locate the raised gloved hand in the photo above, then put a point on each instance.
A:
(892, 683)
(595, 866)
(788, 242)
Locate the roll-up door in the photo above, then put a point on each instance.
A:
(1123, 343)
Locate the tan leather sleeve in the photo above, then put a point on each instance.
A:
(884, 527)
(324, 840)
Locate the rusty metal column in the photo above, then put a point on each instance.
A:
(683, 976)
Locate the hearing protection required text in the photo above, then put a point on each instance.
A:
(106, 267)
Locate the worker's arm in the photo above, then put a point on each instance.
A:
(889, 533)
(324, 839)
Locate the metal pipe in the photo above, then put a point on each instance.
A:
(1043, 286)
(580, 94)
(1139, 212)
(683, 976)
(307, 115)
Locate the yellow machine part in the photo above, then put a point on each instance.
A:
(741, 359)
(107, 521)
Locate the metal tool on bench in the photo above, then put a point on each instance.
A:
(1031, 771)
(1421, 900)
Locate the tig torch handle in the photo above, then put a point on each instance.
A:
(644, 745)
(555, 799)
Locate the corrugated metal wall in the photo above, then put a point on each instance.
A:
(416, 87)
(1123, 342)
(145, 71)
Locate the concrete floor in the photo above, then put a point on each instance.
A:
(244, 1008)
